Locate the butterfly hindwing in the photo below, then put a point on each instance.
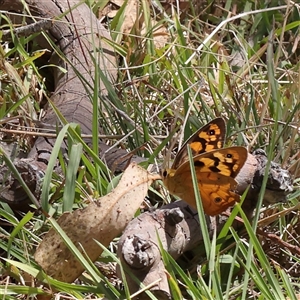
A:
(220, 196)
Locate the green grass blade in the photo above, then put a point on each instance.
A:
(273, 283)
(72, 169)
(50, 168)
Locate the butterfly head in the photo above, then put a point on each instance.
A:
(167, 173)
(167, 178)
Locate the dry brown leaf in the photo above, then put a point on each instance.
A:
(134, 19)
(130, 16)
(101, 220)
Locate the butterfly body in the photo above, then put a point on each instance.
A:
(215, 168)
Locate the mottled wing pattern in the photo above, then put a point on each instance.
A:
(226, 161)
(217, 191)
(215, 168)
(208, 138)
(215, 171)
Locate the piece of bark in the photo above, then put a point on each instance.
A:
(279, 182)
(177, 227)
(138, 248)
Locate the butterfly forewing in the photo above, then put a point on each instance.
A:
(208, 138)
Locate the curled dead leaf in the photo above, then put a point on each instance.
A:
(101, 220)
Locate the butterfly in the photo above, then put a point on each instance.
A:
(215, 166)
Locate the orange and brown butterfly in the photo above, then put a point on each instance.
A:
(215, 166)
